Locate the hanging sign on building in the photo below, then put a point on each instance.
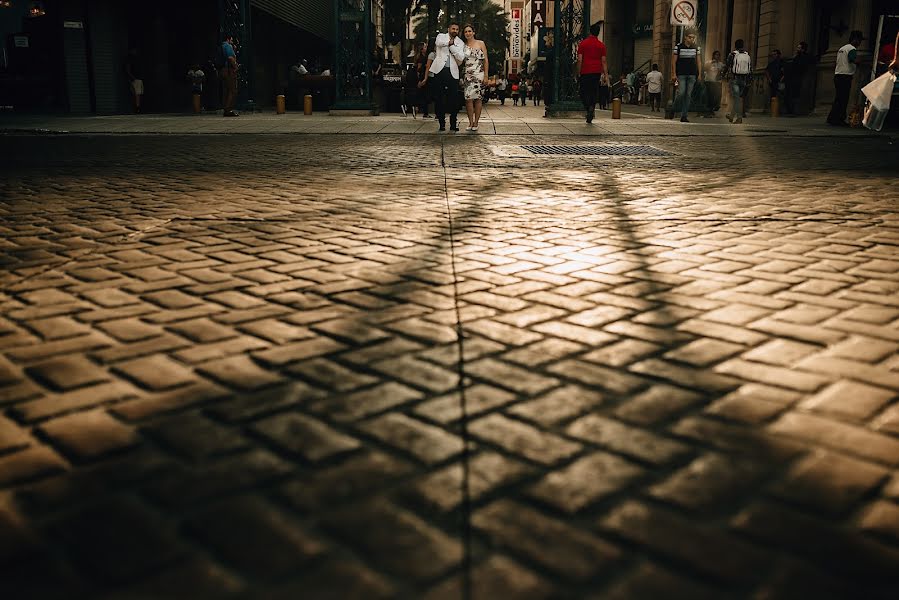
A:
(515, 42)
(684, 12)
(538, 13)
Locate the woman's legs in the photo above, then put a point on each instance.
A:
(478, 105)
(469, 108)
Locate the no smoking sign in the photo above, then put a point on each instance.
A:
(683, 13)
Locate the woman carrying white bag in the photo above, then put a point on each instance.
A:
(880, 92)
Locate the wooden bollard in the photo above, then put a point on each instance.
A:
(280, 105)
(307, 104)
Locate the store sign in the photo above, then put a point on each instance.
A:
(538, 13)
(684, 12)
(72, 25)
(642, 30)
(515, 44)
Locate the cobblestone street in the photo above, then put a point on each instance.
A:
(365, 366)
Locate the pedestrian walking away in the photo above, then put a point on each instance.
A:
(501, 86)
(774, 74)
(847, 62)
(476, 68)
(449, 53)
(523, 92)
(687, 68)
(591, 66)
(795, 74)
(654, 88)
(515, 90)
(537, 88)
(739, 72)
(228, 74)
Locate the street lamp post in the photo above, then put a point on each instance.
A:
(352, 55)
(571, 21)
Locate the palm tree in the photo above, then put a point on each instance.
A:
(489, 20)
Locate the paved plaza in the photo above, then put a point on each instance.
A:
(410, 365)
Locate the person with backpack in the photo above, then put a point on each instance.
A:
(226, 62)
(739, 71)
(687, 69)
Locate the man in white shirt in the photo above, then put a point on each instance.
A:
(654, 88)
(501, 86)
(847, 59)
(449, 54)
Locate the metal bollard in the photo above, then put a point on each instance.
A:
(307, 104)
(280, 105)
(198, 104)
(775, 107)
(616, 108)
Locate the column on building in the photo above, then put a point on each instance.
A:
(663, 43)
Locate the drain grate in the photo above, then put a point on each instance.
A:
(617, 150)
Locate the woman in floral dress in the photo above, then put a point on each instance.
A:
(475, 77)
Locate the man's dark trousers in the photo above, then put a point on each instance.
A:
(589, 85)
(842, 85)
(446, 96)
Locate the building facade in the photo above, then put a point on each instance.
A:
(71, 58)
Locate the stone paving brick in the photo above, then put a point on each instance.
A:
(281, 547)
(851, 369)
(596, 376)
(710, 482)
(8, 372)
(192, 577)
(638, 443)
(397, 541)
(863, 348)
(197, 437)
(89, 435)
(155, 372)
(714, 553)
(525, 440)
(543, 352)
(30, 463)
(829, 482)
(87, 397)
(771, 375)
(753, 403)
(502, 333)
(849, 399)
(478, 399)
(357, 476)
(93, 537)
(586, 481)
(703, 352)
(576, 554)
(508, 376)
(202, 330)
(303, 436)
(186, 486)
(129, 330)
(496, 577)
(558, 405)
(658, 403)
(419, 373)
(881, 518)
(839, 436)
(239, 372)
(487, 471)
(840, 551)
(429, 444)
(365, 402)
(57, 328)
(803, 333)
(157, 345)
(651, 581)
(783, 353)
(685, 376)
(68, 373)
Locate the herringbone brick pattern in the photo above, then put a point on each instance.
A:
(237, 370)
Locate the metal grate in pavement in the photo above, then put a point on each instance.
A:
(608, 150)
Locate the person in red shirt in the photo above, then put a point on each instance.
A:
(591, 65)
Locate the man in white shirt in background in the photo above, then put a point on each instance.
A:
(654, 88)
(449, 54)
(847, 59)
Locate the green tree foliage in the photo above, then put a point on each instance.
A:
(489, 20)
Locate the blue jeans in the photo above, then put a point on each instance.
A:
(685, 85)
(738, 87)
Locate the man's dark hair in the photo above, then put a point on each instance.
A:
(595, 28)
(451, 23)
(228, 37)
(738, 44)
(655, 67)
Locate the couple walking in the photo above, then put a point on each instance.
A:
(451, 53)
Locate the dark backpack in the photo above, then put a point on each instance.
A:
(220, 59)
